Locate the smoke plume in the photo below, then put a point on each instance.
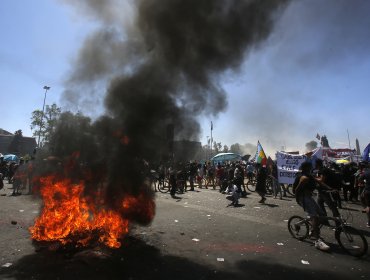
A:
(161, 63)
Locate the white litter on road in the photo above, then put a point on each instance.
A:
(304, 262)
(7, 264)
(176, 221)
(220, 259)
(280, 244)
(195, 239)
(256, 207)
(21, 210)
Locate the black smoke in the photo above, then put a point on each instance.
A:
(163, 68)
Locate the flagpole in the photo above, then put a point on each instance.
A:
(211, 138)
(349, 142)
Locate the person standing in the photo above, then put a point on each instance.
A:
(19, 178)
(261, 183)
(172, 181)
(365, 194)
(193, 170)
(327, 177)
(276, 188)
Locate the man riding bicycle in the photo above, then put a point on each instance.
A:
(304, 186)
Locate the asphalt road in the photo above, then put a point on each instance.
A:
(195, 236)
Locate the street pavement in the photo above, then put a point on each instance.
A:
(193, 236)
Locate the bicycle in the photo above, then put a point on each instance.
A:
(160, 182)
(349, 239)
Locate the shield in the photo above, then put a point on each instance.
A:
(10, 157)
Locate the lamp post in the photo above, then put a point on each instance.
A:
(46, 88)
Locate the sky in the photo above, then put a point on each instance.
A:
(310, 75)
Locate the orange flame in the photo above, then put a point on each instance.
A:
(67, 216)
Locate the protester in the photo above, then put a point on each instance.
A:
(238, 178)
(193, 169)
(276, 187)
(200, 175)
(365, 194)
(304, 186)
(348, 172)
(327, 177)
(261, 183)
(19, 177)
(1, 181)
(220, 175)
(172, 181)
(233, 195)
(250, 171)
(359, 180)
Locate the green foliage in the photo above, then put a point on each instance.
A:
(43, 125)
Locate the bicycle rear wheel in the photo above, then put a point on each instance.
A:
(352, 241)
(298, 227)
(269, 186)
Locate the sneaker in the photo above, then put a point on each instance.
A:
(263, 199)
(319, 244)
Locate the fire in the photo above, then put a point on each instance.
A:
(69, 217)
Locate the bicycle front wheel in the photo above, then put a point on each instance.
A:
(298, 227)
(352, 241)
(163, 186)
(251, 185)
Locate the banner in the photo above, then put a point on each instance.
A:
(333, 154)
(288, 166)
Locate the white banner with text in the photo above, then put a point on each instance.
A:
(288, 165)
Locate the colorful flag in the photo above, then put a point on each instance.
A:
(260, 155)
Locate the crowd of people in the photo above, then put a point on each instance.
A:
(349, 182)
(331, 183)
(19, 174)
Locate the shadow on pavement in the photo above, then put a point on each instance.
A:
(137, 260)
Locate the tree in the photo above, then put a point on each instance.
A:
(226, 149)
(15, 145)
(217, 147)
(18, 133)
(44, 124)
(74, 133)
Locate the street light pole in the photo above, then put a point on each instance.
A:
(46, 88)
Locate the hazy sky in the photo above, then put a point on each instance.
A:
(311, 75)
